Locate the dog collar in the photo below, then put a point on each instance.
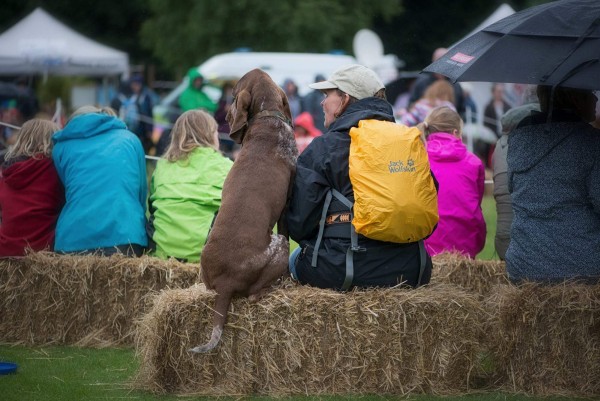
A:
(276, 114)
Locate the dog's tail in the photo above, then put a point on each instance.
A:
(222, 302)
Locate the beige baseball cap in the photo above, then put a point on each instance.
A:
(356, 80)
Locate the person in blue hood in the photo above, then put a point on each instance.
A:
(102, 167)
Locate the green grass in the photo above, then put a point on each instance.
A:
(69, 373)
(488, 205)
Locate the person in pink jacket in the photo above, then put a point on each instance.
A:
(461, 177)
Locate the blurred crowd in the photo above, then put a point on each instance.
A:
(91, 171)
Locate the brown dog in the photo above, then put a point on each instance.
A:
(242, 256)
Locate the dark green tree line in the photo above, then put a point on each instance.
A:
(177, 34)
(197, 29)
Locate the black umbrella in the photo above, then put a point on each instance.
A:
(554, 44)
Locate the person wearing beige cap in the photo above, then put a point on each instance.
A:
(352, 93)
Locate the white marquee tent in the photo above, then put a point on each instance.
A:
(40, 44)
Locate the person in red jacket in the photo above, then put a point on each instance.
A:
(31, 193)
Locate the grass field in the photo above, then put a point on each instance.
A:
(70, 373)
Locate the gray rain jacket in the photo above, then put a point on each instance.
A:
(554, 178)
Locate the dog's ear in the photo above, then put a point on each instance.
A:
(237, 117)
(286, 105)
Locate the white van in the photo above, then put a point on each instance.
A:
(302, 68)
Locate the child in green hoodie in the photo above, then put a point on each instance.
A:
(185, 191)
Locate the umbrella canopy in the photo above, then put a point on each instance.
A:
(556, 43)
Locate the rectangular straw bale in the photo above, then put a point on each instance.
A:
(302, 340)
(545, 340)
(472, 275)
(88, 300)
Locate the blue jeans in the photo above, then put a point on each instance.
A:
(293, 260)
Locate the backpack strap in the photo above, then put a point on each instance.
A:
(423, 261)
(353, 243)
(321, 228)
(333, 193)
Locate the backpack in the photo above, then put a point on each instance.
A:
(395, 198)
(129, 112)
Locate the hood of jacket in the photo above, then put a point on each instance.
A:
(88, 125)
(192, 74)
(305, 120)
(445, 147)
(364, 109)
(534, 138)
(20, 174)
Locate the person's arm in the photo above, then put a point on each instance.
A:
(306, 203)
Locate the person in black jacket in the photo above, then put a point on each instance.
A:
(352, 93)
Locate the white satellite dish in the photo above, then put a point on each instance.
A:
(367, 46)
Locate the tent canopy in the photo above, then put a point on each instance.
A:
(40, 44)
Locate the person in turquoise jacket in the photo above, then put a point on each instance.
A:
(102, 167)
(185, 191)
(193, 97)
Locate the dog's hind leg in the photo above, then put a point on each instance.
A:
(222, 302)
(275, 268)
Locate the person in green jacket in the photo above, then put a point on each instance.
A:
(185, 190)
(193, 97)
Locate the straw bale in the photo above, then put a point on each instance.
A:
(472, 275)
(88, 300)
(302, 340)
(545, 340)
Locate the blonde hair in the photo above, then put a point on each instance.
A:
(442, 119)
(92, 109)
(34, 138)
(193, 129)
(440, 90)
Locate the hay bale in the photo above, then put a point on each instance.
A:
(89, 300)
(545, 340)
(302, 340)
(472, 275)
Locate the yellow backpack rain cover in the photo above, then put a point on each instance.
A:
(395, 199)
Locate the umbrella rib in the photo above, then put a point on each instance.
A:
(578, 43)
